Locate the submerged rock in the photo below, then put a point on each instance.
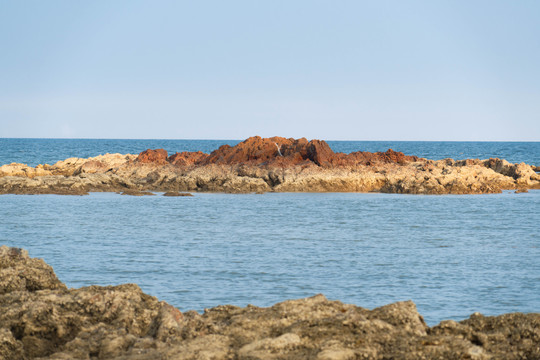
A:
(176, 193)
(137, 193)
(41, 318)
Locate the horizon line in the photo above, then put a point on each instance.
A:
(193, 139)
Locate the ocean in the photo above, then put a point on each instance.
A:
(452, 255)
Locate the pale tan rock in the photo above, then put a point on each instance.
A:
(15, 169)
(100, 163)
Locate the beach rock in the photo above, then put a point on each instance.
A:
(269, 164)
(19, 272)
(15, 169)
(97, 164)
(41, 319)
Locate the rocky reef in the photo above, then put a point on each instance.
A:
(268, 164)
(40, 318)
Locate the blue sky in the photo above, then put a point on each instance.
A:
(335, 70)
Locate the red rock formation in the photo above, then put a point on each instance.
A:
(158, 156)
(187, 158)
(320, 153)
(388, 157)
(254, 150)
(278, 151)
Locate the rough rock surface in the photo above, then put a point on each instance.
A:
(187, 158)
(269, 164)
(158, 156)
(41, 319)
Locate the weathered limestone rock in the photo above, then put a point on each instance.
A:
(18, 272)
(41, 319)
(23, 170)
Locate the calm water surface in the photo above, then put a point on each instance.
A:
(452, 255)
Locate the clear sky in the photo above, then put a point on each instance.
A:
(334, 70)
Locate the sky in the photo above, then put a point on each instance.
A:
(332, 70)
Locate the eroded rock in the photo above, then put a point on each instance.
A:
(158, 156)
(187, 158)
(41, 318)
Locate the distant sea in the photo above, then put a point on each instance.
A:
(452, 255)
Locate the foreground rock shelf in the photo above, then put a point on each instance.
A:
(41, 318)
(269, 164)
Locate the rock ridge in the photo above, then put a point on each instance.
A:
(269, 164)
(41, 319)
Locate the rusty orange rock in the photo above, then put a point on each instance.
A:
(158, 156)
(276, 152)
(187, 158)
(254, 150)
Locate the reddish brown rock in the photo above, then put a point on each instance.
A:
(294, 148)
(320, 153)
(388, 157)
(187, 158)
(274, 151)
(254, 150)
(282, 152)
(158, 156)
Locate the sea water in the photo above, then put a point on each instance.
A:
(452, 255)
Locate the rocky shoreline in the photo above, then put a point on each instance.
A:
(41, 318)
(268, 165)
